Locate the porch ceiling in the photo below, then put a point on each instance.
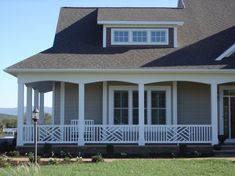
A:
(45, 86)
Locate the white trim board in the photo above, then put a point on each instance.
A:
(180, 23)
(227, 53)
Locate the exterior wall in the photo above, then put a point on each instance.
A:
(93, 102)
(171, 40)
(71, 102)
(193, 103)
(57, 104)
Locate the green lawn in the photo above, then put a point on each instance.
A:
(142, 168)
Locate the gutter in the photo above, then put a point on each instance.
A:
(162, 70)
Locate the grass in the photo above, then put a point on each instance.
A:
(143, 168)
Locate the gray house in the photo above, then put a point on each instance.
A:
(139, 76)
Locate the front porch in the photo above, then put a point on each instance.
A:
(115, 112)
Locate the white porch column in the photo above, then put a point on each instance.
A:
(141, 114)
(81, 109)
(20, 120)
(29, 106)
(36, 98)
(105, 103)
(41, 111)
(214, 113)
(53, 104)
(175, 112)
(62, 102)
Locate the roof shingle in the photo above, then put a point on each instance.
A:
(208, 30)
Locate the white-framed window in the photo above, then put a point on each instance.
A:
(120, 107)
(124, 109)
(135, 36)
(121, 36)
(139, 36)
(159, 36)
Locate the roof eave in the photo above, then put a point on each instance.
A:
(107, 22)
(15, 72)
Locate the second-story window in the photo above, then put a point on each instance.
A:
(139, 36)
(158, 36)
(121, 36)
(135, 36)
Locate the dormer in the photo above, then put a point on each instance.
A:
(140, 27)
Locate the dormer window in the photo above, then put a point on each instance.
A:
(135, 36)
(121, 36)
(159, 36)
(139, 36)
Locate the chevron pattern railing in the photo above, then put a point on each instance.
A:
(178, 133)
(111, 133)
(120, 134)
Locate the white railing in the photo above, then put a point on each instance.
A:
(123, 134)
(87, 122)
(52, 133)
(177, 133)
(111, 133)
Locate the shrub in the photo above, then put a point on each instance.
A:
(79, 160)
(47, 149)
(5, 147)
(109, 150)
(14, 153)
(64, 154)
(4, 162)
(221, 138)
(97, 158)
(183, 149)
(53, 161)
(32, 158)
(67, 159)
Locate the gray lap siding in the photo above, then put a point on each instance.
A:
(193, 102)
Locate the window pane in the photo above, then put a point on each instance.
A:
(121, 116)
(158, 116)
(139, 36)
(120, 107)
(121, 36)
(158, 36)
(226, 116)
(158, 99)
(135, 116)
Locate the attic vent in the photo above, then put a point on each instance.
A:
(181, 4)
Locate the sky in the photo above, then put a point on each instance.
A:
(27, 27)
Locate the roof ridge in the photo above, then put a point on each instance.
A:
(122, 7)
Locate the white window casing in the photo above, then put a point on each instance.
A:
(130, 89)
(131, 40)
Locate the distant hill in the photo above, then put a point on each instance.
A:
(13, 111)
(6, 116)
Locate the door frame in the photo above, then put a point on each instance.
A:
(221, 111)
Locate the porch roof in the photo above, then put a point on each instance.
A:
(78, 41)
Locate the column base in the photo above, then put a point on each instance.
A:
(141, 143)
(81, 143)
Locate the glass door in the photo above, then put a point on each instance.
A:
(229, 113)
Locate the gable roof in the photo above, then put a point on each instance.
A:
(209, 29)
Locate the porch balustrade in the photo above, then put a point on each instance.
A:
(121, 134)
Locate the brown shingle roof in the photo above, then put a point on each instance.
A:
(208, 30)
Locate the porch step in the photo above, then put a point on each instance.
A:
(224, 153)
(226, 150)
